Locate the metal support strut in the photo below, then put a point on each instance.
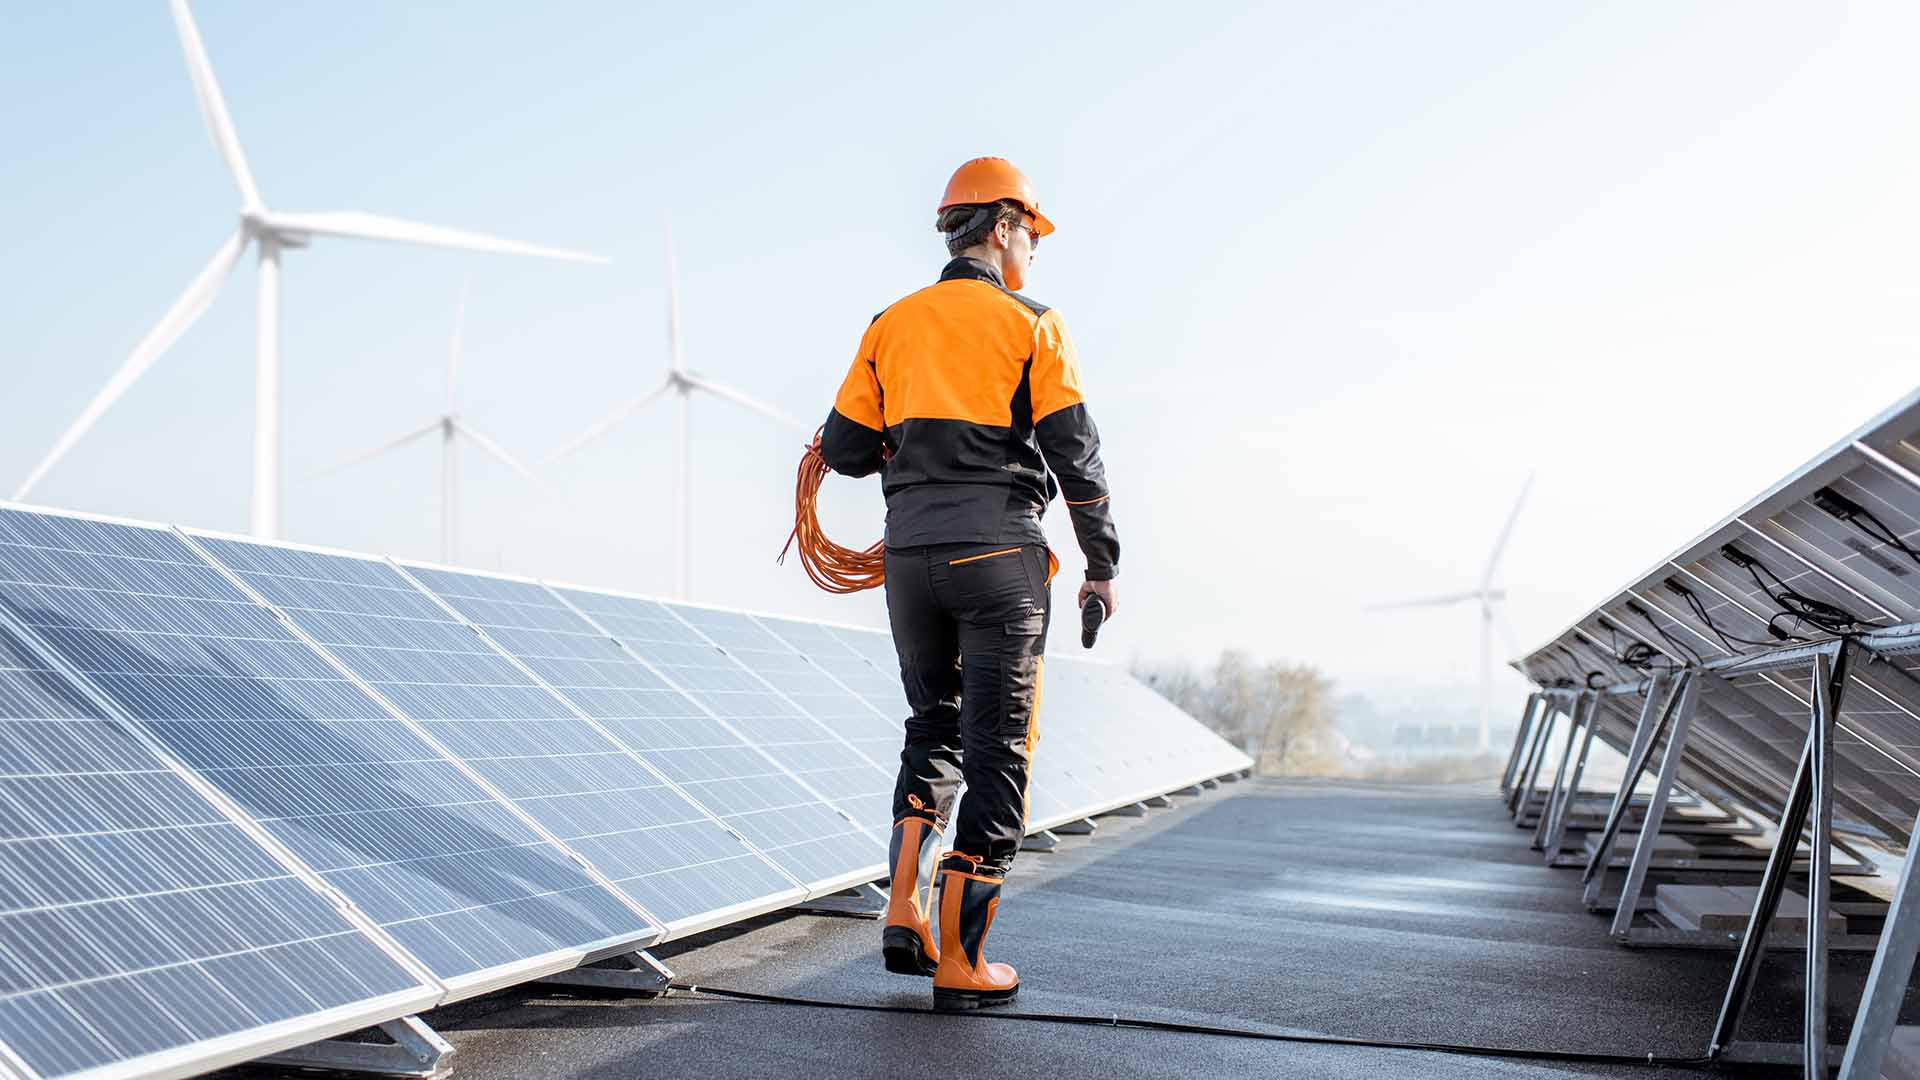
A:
(1681, 720)
(1557, 831)
(1582, 712)
(1810, 796)
(417, 1052)
(635, 972)
(868, 901)
(1520, 735)
(1639, 752)
(1887, 983)
(1530, 774)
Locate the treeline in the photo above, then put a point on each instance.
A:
(1281, 714)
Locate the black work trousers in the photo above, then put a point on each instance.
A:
(970, 624)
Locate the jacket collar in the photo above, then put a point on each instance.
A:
(964, 268)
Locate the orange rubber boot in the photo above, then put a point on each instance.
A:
(907, 943)
(964, 979)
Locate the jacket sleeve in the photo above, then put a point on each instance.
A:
(1071, 445)
(854, 441)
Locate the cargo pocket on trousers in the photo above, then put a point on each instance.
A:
(1023, 648)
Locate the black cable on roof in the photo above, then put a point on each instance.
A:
(1518, 1053)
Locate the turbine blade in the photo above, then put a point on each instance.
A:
(396, 444)
(1500, 544)
(353, 223)
(190, 306)
(745, 402)
(213, 104)
(1446, 600)
(493, 448)
(612, 421)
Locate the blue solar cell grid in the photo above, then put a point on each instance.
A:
(872, 719)
(684, 864)
(135, 917)
(793, 823)
(799, 714)
(476, 705)
(416, 845)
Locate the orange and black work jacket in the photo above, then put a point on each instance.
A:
(966, 397)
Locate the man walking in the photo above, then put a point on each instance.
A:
(966, 397)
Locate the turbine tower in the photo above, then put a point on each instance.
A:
(683, 383)
(451, 428)
(271, 232)
(1489, 597)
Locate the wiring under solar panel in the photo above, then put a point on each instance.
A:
(1519, 1053)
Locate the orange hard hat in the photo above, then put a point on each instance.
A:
(990, 179)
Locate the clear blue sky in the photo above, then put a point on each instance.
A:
(1341, 275)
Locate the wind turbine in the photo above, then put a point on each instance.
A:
(451, 427)
(682, 382)
(1490, 598)
(271, 232)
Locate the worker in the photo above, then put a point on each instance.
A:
(966, 397)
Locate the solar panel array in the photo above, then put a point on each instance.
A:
(1837, 540)
(1823, 568)
(254, 795)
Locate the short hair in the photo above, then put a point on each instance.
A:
(969, 223)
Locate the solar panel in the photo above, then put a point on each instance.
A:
(1819, 574)
(136, 918)
(877, 727)
(236, 697)
(801, 715)
(671, 854)
(793, 822)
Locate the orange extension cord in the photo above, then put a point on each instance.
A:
(832, 567)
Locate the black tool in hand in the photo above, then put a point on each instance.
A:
(1092, 614)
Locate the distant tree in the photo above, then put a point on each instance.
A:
(1273, 711)
(1299, 708)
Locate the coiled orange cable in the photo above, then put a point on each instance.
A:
(832, 567)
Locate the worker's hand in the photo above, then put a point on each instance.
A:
(1101, 589)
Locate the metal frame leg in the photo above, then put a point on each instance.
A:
(1529, 776)
(1887, 982)
(1826, 695)
(417, 1051)
(1639, 753)
(640, 973)
(1812, 783)
(1656, 809)
(863, 901)
(1519, 744)
(1575, 716)
(1557, 835)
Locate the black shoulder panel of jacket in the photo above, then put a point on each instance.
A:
(1033, 305)
(1071, 445)
(966, 269)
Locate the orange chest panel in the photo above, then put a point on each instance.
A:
(952, 351)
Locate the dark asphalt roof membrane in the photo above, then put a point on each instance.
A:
(1354, 909)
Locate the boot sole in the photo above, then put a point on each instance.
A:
(965, 1000)
(904, 955)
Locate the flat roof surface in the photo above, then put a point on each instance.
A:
(1355, 909)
